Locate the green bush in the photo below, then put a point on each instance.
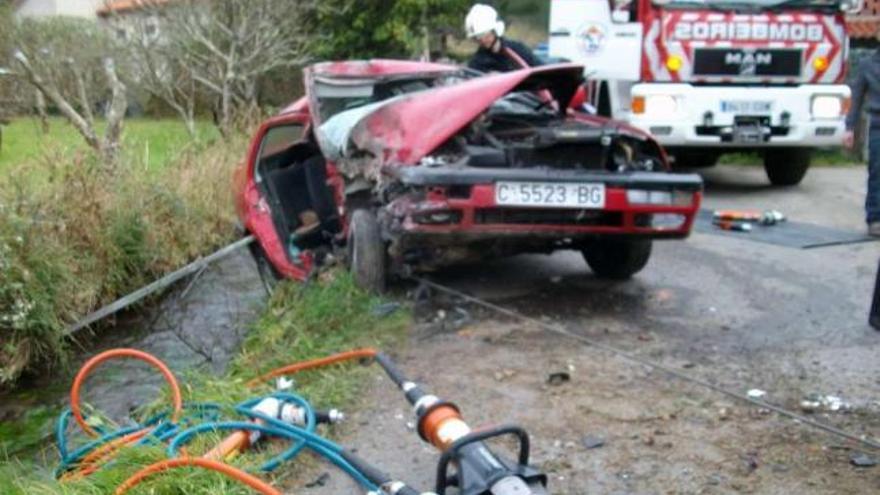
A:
(73, 237)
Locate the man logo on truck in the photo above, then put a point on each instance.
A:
(748, 62)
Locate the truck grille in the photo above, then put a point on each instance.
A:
(745, 62)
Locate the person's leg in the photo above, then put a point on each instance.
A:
(872, 198)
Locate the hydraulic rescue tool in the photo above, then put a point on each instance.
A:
(478, 470)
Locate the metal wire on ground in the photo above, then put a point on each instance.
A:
(559, 330)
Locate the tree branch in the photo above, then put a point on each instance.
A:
(52, 93)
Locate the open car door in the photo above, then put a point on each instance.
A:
(293, 212)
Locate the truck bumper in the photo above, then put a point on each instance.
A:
(742, 116)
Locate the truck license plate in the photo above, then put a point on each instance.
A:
(550, 194)
(746, 106)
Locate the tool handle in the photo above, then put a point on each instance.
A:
(478, 436)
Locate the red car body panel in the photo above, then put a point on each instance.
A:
(405, 131)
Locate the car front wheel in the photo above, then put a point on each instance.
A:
(617, 259)
(366, 252)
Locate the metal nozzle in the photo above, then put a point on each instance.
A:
(514, 485)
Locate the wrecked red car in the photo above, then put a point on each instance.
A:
(398, 166)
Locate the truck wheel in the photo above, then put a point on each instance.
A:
(787, 166)
(366, 252)
(269, 276)
(617, 259)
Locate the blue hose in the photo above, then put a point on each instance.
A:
(206, 418)
(301, 437)
(162, 429)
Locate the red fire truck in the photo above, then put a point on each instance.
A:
(707, 77)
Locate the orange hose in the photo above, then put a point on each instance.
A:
(236, 442)
(234, 473)
(367, 352)
(92, 462)
(114, 354)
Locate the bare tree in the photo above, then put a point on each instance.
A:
(71, 65)
(156, 68)
(228, 45)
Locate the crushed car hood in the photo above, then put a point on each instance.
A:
(405, 129)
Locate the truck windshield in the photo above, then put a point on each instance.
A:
(750, 5)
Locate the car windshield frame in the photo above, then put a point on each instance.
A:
(356, 92)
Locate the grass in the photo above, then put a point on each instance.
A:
(148, 142)
(834, 157)
(74, 236)
(327, 317)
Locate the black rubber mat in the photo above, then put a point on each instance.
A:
(790, 234)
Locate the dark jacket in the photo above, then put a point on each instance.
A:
(866, 91)
(485, 60)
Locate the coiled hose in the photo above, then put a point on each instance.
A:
(183, 422)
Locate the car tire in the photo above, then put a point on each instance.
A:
(269, 276)
(787, 166)
(617, 259)
(366, 252)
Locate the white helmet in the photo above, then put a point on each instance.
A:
(481, 19)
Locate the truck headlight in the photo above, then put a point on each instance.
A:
(659, 106)
(826, 107)
(851, 6)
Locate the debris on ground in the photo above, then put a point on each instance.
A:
(319, 481)
(385, 309)
(592, 442)
(756, 393)
(751, 461)
(558, 378)
(816, 402)
(504, 374)
(860, 459)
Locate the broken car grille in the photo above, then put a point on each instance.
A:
(519, 216)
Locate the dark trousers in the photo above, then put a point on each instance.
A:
(872, 198)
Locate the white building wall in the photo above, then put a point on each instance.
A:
(42, 8)
(78, 8)
(36, 8)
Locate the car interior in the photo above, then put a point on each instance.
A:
(294, 180)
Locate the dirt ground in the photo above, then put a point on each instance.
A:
(745, 315)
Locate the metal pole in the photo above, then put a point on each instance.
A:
(874, 317)
(158, 285)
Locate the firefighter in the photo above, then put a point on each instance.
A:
(496, 53)
(866, 93)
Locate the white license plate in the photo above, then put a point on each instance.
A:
(550, 194)
(746, 106)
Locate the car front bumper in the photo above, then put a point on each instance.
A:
(460, 203)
